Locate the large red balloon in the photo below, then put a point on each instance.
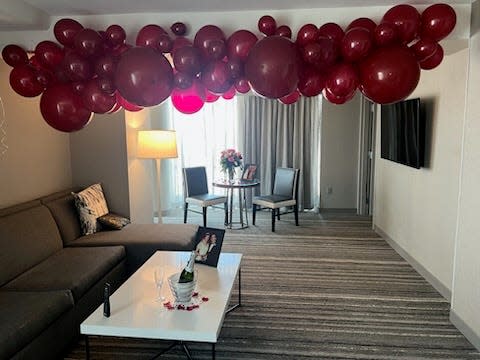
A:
(272, 67)
(188, 60)
(406, 20)
(14, 55)
(356, 44)
(215, 77)
(240, 43)
(189, 101)
(207, 38)
(389, 74)
(96, 100)
(89, 43)
(267, 25)
(149, 35)
(23, 80)
(64, 110)
(438, 21)
(341, 82)
(65, 31)
(144, 76)
(49, 54)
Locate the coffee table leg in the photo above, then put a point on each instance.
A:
(239, 292)
(87, 348)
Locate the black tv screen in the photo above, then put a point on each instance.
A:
(403, 133)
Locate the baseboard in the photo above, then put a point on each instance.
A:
(442, 289)
(465, 329)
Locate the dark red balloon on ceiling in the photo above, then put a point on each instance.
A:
(240, 43)
(179, 28)
(89, 43)
(49, 54)
(115, 35)
(267, 25)
(438, 21)
(308, 33)
(406, 20)
(385, 34)
(284, 31)
(188, 59)
(14, 55)
(331, 31)
(148, 36)
(362, 22)
(206, 38)
(65, 31)
(23, 80)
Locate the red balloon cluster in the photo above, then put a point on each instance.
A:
(88, 71)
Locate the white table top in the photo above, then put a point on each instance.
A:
(136, 313)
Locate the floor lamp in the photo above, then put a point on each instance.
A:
(157, 145)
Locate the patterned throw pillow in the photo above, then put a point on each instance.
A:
(91, 204)
(113, 221)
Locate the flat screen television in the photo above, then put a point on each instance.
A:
(403, 133)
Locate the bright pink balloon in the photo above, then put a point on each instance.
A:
(331, 31)
(144, 76)
(438, 21)
(311, 82)
(126, 104)
(64, 110)
(433, 61)
(115, 35)
(76, 67)
(308, 33)
(267, 25)
(389, 74)
(182, 80)
(65, 31)
(148, 36)
(272, 67)
(242, 86)
(207, 38)
(97, 100)
(342, 81)
(188, 59)
(230, 93)
(424, 48)
(406, 20)
(179, 29)
(356, 44)
(210, 98)
(240, 43)
(284, 31)
(362, 22)
(291, 98)
(189, 101)
(49, 54)
(23, 80)
(215, 77)
(385, 34)
(14, 55)
(89, 43)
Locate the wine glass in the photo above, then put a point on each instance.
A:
(159, 275)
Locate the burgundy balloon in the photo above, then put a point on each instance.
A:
(291, 98)
(240, 43)
(179, 28)
(267, 25)
(217, 49)
(424, 48)
(165, 43)
(182, 80)
(356, 44)
(362, 22)
(14, 55)
(78, 87)
(44, 77)
(342, 81)
(180, 42)
(235, 68)
(23, 80)
(105, 65)
(308, 33)
(242, 86)
(148, 36)
(272, 67)
(230, 93)
(335, 99)
(119, 50)
(144, 76)
(89, 43)
(115, 35)
(126, 104)
(49, 54)
(406, 20)
(385, 34)
(210, 98)
(389, 74)
(311, 52)
(106, 85)
(329, 53)
(284, 31)
(64, 110)
(188, 60)
(76, 67)
(95, 99)
(438, 21)
(207, 37)
(433, 61)
(311, 82)
(189, 101)
(331, 31)
(116, 108)
(215, 77)
(65, 31)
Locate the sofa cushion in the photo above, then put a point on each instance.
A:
(62, 207)
(28, 235)
(24, 315)
(76, 269)
(113, 221)
(91, 204)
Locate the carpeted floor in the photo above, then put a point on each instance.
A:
(328, 289)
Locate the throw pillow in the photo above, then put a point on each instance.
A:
(91, 204)
(113, 221)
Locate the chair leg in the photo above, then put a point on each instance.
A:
(226, 212)
(295, 210)
(254, 213)
(273, 219)
(185, 211)
(278, 214)
(204, 211)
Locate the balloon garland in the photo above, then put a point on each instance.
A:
(91, 71)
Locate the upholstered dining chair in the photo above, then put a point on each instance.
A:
(285, 189)
(196, 193)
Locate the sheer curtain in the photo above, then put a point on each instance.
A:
(276, 135)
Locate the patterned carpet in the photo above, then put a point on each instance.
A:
(328, 289)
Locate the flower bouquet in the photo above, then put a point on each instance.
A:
(229, 160)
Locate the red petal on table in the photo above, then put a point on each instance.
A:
(167, 304)
(204, 298)
(180, 307)
(189, 308)
(196, 306)
(195, 294)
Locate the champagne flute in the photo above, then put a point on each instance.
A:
(159, 275)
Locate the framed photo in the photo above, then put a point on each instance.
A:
(208, 244)
(249, 172)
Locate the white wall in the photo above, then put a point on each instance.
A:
(466, 282)
(37, 160)
(417, 209)
(339, 153)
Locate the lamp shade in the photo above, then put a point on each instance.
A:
(157, 144)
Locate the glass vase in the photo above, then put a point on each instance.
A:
(231, 174)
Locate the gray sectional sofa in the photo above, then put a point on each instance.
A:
(52, 277)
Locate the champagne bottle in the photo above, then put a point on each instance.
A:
(187, 273)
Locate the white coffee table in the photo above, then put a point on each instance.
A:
(135, 312)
